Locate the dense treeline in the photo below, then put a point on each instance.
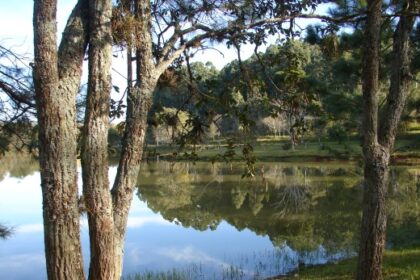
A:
(310, 86)
(306, 86)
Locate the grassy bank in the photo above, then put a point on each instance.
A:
(401, 264)
(407, 151)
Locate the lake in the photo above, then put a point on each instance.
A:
(204, 221)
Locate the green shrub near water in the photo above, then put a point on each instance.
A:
(337, 133)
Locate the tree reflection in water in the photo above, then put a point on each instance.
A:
(303, 206)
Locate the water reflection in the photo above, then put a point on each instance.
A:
(303, 206)
(311, 212)
(208, 223)
(17, 165)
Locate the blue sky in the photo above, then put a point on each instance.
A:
(16, 33)
(16, 22)
(16, 30)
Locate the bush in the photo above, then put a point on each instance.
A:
(287, 146)
(337, 133)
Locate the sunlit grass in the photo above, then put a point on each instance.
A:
(191, 272)
(400, 264)
(256, 266)
(270, 148)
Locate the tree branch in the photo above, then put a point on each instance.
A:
(73, 44)
(16, 96)
(169, 45)
(223, 33)
(162, 65)
(370, 76)
(16, 80)
(400, 77)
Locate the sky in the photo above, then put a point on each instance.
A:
(16, 30)
(16, 33)
(16, 22)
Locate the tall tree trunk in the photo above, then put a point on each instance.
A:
(139, 101)
(377, 145)
(95, 143)
(374, 217)
(128, 168)
(372, 243)
(400, 75)
(57, 78)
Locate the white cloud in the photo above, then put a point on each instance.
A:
(22, 261)
(30, 228)
(190, 255)
(137, 222)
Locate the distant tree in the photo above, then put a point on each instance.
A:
(17, 104)
(276, 124)
(5, 232)
(337, 133)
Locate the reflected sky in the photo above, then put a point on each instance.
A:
(207, 220)
(152, 243)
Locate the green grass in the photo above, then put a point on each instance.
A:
(274, 149)
(401, 264)
(191, 272)
(407, 150)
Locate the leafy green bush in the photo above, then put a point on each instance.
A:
(337, 133)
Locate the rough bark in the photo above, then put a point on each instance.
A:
(95, 143)
(378, 144)
(376, 166)
(400, 77)
(73, 46)
(138, 105)
(56, 86)
(372, 243)
(129, 164)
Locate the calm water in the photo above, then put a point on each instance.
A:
(207, 222)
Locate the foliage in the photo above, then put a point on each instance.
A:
(5, 232)
(17, 104)
(305, 205)
(337, 133)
